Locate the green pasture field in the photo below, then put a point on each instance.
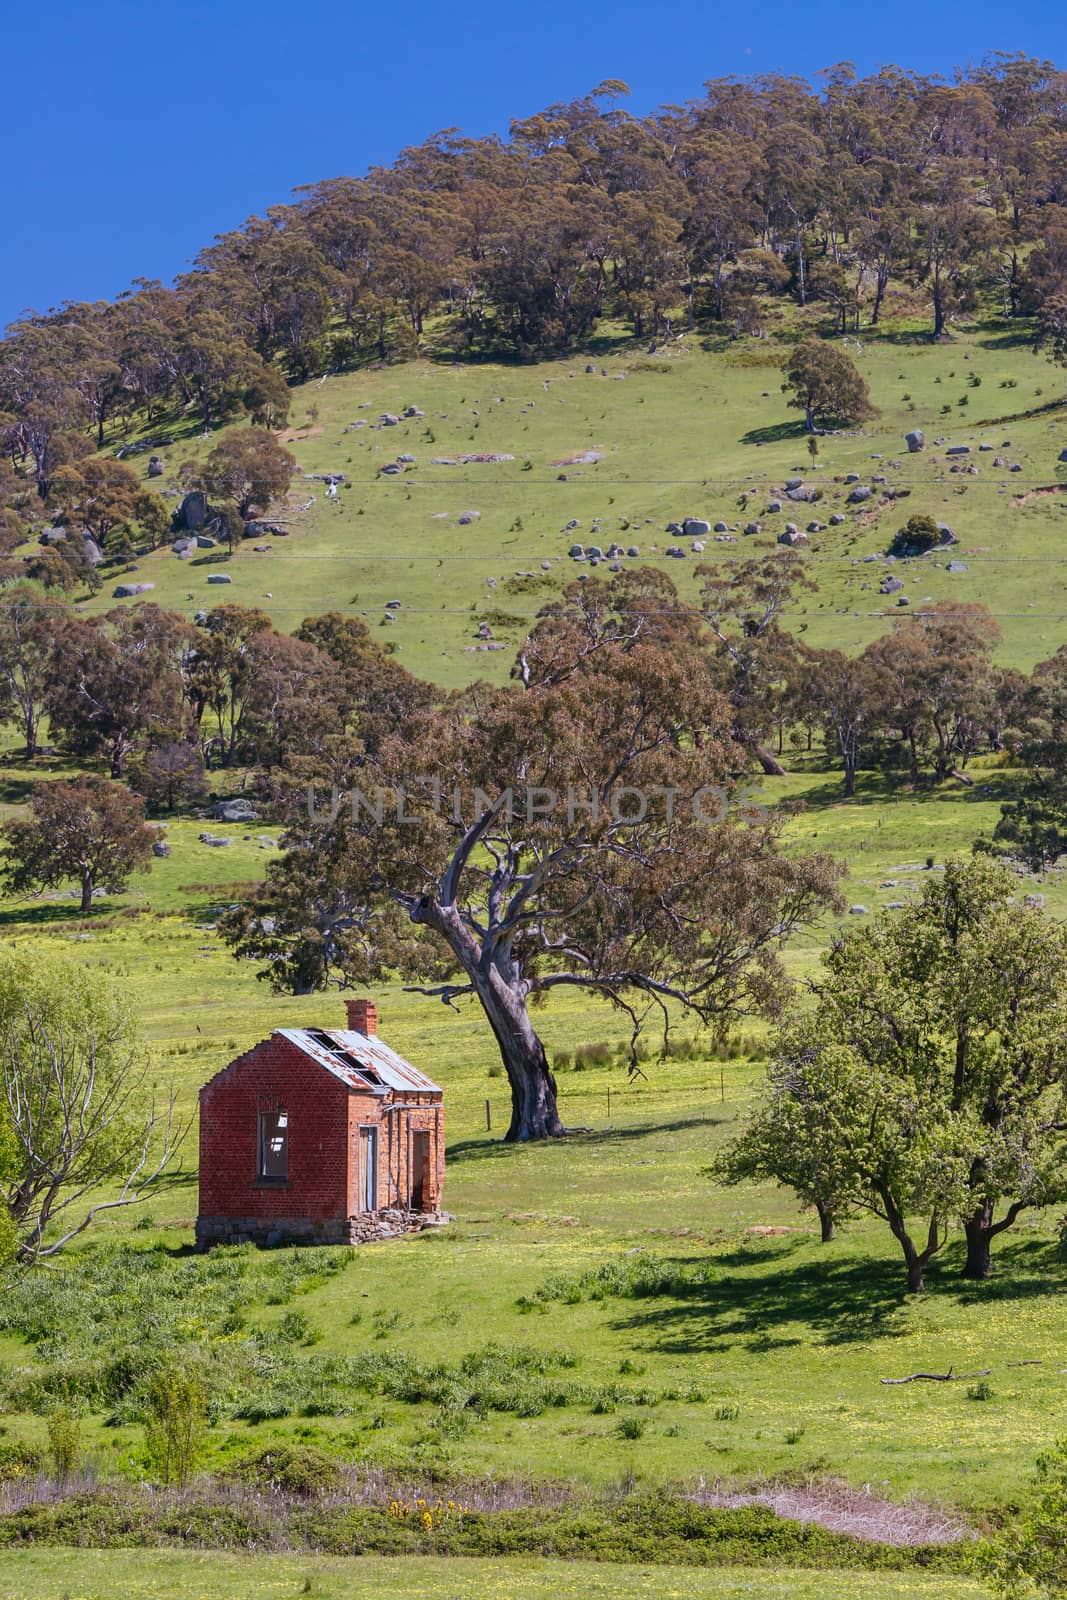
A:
(681, 433)
(756, 1353)
(205, 1575)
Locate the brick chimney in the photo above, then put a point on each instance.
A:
(362, 1017)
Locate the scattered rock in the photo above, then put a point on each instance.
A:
(890, 586)
(126, 591)
(859, 494)
(915, 440)
(219, 577)
(858, 911)
(236, 810)
(156, 468)
(958, 450)
(696, 528)
(192, 513)
(465, 518)
(161, 848)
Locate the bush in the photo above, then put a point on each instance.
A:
(177, 1412)
(64, 1441)
(18, 1461)
(291, 1468)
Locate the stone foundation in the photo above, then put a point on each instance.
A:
(272, 1231)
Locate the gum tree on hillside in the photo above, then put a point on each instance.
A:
(825, 383)
(743, 603)
(29, 625)
(82, 829)
(936, 1052)
(248, 468)
(584, 829)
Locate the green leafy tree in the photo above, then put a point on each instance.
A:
(1030, 1556)
(825, 383)
(795, 1135)
(556, 862)
(80, 1132)
(87, 830)
(100, 495)
(29, 625)
(1034, 827)
(942, 1030)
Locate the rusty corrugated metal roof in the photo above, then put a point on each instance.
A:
(344, 1053)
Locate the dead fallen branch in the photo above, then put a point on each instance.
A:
(940, 1377)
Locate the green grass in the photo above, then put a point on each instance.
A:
(161, 1574)
(684, 441)
(757, 1352)
(791, 1335)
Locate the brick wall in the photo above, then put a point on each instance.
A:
(403, 1116)
(275, 1076)
(323, 1198)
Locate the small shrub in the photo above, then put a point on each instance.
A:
(64, 1442)
(794, 1435)
(979, 1391)
(561, 1060)
(291, 1468)
(18, 1461)
(727, 1412)
(631, 1428)
(296, 1328)
(177, 1422)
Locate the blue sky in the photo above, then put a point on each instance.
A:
(135, 130)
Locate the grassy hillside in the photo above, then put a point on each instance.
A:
(680, 433)
(749, 1352)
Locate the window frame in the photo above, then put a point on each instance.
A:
(269, 1124)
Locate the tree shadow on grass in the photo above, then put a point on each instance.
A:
(775, 433)
(1015, 336)
(42, 915)
(495, 1148)
(844, 1301)
(989, 788)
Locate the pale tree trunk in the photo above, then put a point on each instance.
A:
(502, 994)
(534, 1114)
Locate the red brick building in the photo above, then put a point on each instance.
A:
(319, 1136)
